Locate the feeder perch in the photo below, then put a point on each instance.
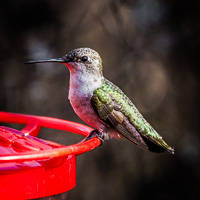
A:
(31, 167)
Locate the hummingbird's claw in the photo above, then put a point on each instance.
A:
(95, 133)
(92, 133)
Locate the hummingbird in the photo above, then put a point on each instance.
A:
(103, 105)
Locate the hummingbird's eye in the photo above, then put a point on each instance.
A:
(84, 58)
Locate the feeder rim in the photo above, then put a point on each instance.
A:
(34, 122)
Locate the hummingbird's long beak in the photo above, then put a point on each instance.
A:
(59, 60)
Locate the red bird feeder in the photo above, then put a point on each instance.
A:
(31, 167)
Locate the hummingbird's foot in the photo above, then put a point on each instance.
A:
(95, 133)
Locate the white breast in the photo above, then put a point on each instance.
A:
(81, 90)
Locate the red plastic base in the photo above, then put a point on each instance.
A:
(49, 178)
(31, 167)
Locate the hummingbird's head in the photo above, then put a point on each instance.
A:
(81, 59)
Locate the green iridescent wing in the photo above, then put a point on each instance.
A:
(116, 109)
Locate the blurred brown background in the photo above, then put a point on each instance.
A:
(149, 48)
